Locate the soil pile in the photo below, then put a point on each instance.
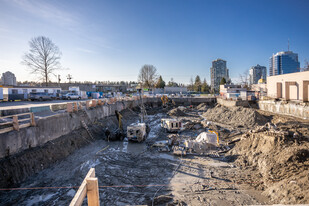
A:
(278, 158)
(236, 116)
(176, 112)
(202, 107)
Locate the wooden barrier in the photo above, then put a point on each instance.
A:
(94, 103)
(87, 104)
(90, 188)
(75, 107)
(69, 107)
(16, 122)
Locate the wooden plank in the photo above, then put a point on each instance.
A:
(82, 191)
(10, 116)
(6, 123)
(8, 129)
(93, 191)
(24, 125)
(22, 120)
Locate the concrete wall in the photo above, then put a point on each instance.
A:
(292, 86)
(300, 110)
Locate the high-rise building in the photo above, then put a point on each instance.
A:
(217, 72)
(257, 72)
(8, 78)
(283, 63)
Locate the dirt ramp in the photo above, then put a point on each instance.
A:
(235, 116)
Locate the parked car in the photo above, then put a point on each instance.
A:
(71, 96)
(40, 96)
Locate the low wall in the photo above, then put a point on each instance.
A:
(295, 109)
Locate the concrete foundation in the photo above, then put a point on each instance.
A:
(295, 109)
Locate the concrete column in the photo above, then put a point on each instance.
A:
(287, 89)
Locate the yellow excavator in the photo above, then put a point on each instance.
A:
(118, 133)
(166, 101)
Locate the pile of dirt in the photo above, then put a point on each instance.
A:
(235, 116)
(278, 158)
(176, 112)
(202, 107)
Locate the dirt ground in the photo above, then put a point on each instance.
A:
(250, 173)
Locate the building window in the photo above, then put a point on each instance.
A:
(14, 91)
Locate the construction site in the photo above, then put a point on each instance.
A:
(156, 151)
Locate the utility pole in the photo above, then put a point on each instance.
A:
(69, 77)
(59, 80)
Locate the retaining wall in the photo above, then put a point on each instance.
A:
(295, 109)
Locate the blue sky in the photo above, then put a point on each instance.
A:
(111, 40)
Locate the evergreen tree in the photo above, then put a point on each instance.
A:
(197, 84)
(205, 87)
(223, 81)
(160, 83)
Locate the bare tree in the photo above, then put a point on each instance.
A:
(43, 57)
(148, 75)
(244, 78)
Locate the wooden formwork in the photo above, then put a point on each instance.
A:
(89, 188)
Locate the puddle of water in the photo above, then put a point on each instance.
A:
(90, 164)
(136, 148)
(167, 156)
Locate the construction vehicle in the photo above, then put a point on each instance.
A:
(167, 102)
(172, 125)
(117, 134)
(137, 132)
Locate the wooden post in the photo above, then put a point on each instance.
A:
(93, 191)
(75, 107)
(32, 120)
(82, 190)
(69, 107)
(94, 103)
(15, 123)
(88, 104)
